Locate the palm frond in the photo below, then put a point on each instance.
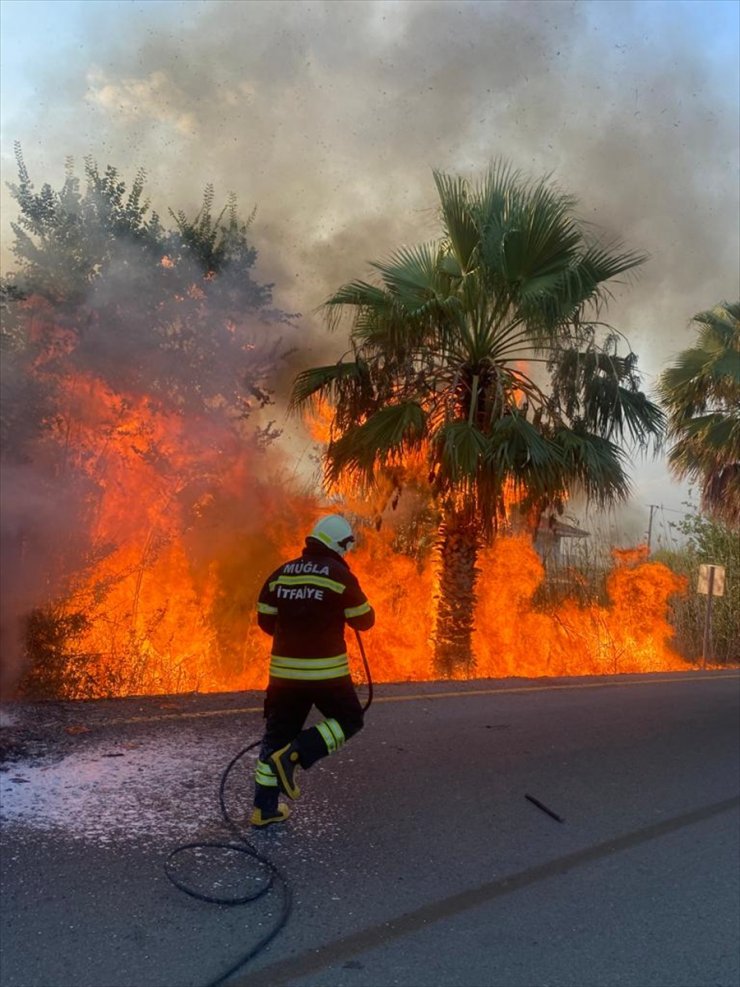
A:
(460, 447)
(380, 438)
(318, 382)
(516, 443)
(638, 417)
(357, 297)
(587, 281)
(721, 494)
(521, 455)
(718, 432)
(360, 294)
(593, 464)
(721, 325)
(541, 248)
(460, 227)
(411, 275)
(451, 327)
(613, 410)
(701, 392)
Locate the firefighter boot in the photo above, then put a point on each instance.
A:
(284, 763)
(263, 817)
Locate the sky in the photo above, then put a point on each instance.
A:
(329, 118)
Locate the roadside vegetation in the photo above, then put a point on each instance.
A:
(708, 541)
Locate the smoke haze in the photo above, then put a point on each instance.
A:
(330, 117)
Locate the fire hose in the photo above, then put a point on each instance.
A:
(240, 844)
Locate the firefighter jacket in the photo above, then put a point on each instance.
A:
(305, 604)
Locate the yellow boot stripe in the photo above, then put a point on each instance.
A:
(282, 813)
(289, 787)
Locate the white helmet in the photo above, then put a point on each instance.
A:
(334, 532)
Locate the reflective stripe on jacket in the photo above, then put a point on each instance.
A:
(308, 669)
(305, 605)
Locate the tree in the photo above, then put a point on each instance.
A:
(701, 392)
(450, 347)
(172, 313)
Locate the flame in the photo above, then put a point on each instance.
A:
(187, 520)
(630, 634)
(318, 421)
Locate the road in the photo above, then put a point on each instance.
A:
(414, 858)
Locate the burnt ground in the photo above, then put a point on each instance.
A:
(34, 731)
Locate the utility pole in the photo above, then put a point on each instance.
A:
(653, 507)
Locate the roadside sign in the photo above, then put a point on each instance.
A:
(711, 580)
(711, 583)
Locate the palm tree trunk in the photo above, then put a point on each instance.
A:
(453, 649)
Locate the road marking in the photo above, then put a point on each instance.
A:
(413, 697)
(283, 972)
(546, 688)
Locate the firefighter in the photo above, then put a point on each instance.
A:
(304, 605)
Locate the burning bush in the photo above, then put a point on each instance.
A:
(139, 363)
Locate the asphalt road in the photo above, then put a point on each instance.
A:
(413, 856)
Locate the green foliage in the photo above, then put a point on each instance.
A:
(389, 430)
(216, 243)
(600, 389)
(65, 238)
(25, 400)
(708, 541)
(102, 287)
(53, 670)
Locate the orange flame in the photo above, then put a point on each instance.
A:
(186, 526)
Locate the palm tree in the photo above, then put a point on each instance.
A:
(701, 392)
(448, 353)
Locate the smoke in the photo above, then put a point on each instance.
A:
(330, 117)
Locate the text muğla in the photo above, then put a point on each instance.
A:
(298, 568)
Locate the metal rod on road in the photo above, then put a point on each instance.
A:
(544, 808)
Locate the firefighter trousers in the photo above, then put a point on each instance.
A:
(287, 706)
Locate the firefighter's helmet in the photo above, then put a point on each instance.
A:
(335, 532)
